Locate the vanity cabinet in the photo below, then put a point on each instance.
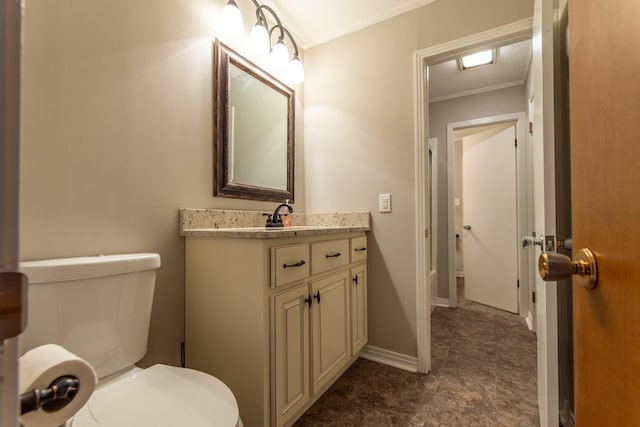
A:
(330, 327)
(359, 320)
(316, 316)
(291, 352)
(278, 320)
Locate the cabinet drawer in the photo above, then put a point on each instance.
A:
(289, 263)
(358, 248)
(329, 255)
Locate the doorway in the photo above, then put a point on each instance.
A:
(511, 33)
(520, 212)
(486, 213)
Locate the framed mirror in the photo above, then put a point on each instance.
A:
(253, 130)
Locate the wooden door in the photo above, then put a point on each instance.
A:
(489, 210)
(604, 70)
(330, 327)
(291, 352)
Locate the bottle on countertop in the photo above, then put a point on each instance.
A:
(287, 220)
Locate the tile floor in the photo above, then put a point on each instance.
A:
(483, 374)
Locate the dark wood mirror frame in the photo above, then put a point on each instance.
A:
(223, 58)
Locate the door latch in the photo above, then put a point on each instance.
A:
(549, 243)
(529, 242)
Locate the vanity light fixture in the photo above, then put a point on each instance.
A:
(230, 22)
(477, 59)
(260, 39)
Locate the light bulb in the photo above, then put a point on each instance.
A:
(279, 57)
(259, 40)
(230, 22)
(296, 70)
(477, 59)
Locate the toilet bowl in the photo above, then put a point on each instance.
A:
(99, 308)
(160, 396)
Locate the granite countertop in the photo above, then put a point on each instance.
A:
(250, 224)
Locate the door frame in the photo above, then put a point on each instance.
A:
(11, 13)
(432, 208)
(544, 191)
(523, 211)
(505, 34)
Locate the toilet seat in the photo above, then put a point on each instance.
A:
(161, 396)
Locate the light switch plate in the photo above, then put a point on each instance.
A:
(384, 203)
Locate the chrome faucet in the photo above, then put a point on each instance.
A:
(275, 220)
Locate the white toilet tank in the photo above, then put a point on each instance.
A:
(98, 307)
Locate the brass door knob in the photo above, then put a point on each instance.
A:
(554, 266)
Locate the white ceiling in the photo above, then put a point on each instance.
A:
(446, 81)
(319, 21)
(316, 22)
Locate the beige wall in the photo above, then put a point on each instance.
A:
(117, 136)
(359, 141)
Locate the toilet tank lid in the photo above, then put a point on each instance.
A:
(78, 268)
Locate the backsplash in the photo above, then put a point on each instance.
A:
(215, 218)
(336, 219)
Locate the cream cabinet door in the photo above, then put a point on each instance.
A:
(291, 336)
(330, 322)
(359, 331)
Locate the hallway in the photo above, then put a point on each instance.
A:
(483, 374)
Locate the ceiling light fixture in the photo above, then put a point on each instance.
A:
(478, 59)
(260, 38)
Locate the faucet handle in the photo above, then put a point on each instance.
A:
(273, 221)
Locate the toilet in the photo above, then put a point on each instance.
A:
(99, 308)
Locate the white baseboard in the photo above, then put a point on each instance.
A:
(529, 320)
(390, 358)
(442, 302)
